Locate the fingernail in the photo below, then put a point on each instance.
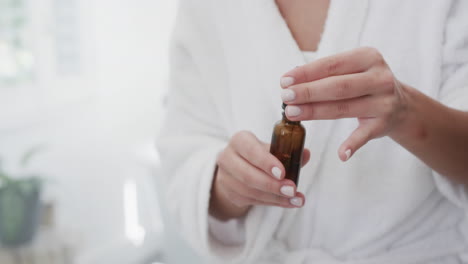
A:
(292, 110)
(296, 201)
(286, 81)
(287, 190)
(348, 154)
(288, 95)
(276, 172)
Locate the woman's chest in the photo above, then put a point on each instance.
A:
(305, 20)
(258, 48)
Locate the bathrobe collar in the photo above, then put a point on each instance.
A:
(257, 29)
(259, 48)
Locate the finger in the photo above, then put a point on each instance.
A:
(246, 201)
(266, 146)
(242, 195)
(305, 157)
(298, 200)
(257, 196)
(295, 202)
(354, 61)
(358, 138)
(340, 87)
(250, 148)
(253, 177)
(367, 106)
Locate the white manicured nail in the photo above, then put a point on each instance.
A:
(288, 95)
(296, 201)
(292, 110)
(286, 81)
(276, 172)
(287, 190)
(348, 154)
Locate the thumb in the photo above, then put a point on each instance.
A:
(305, 157)
(356, 140)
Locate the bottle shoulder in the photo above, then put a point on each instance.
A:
(286, 126)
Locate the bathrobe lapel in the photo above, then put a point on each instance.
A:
(342, 32)
(259, 48)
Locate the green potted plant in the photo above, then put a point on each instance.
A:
(19, 205)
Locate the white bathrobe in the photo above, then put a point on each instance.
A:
(383, 205)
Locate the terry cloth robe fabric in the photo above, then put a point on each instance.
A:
(383, 205)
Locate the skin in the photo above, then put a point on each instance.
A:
(354, 84)
(243, 177)
(305, 20)
(359, 84)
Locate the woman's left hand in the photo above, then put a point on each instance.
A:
(358, 83)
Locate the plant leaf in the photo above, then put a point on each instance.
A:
(30, 154)
(4, 178)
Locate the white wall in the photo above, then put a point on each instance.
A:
(97, 143)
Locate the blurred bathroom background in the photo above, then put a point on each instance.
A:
(82, 85)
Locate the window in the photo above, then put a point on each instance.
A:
(17, 61)
(49, 62)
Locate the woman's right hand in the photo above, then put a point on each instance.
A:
(248, 174)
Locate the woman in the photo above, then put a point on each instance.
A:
(395, 71)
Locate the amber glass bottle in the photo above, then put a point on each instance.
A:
(287, 144)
